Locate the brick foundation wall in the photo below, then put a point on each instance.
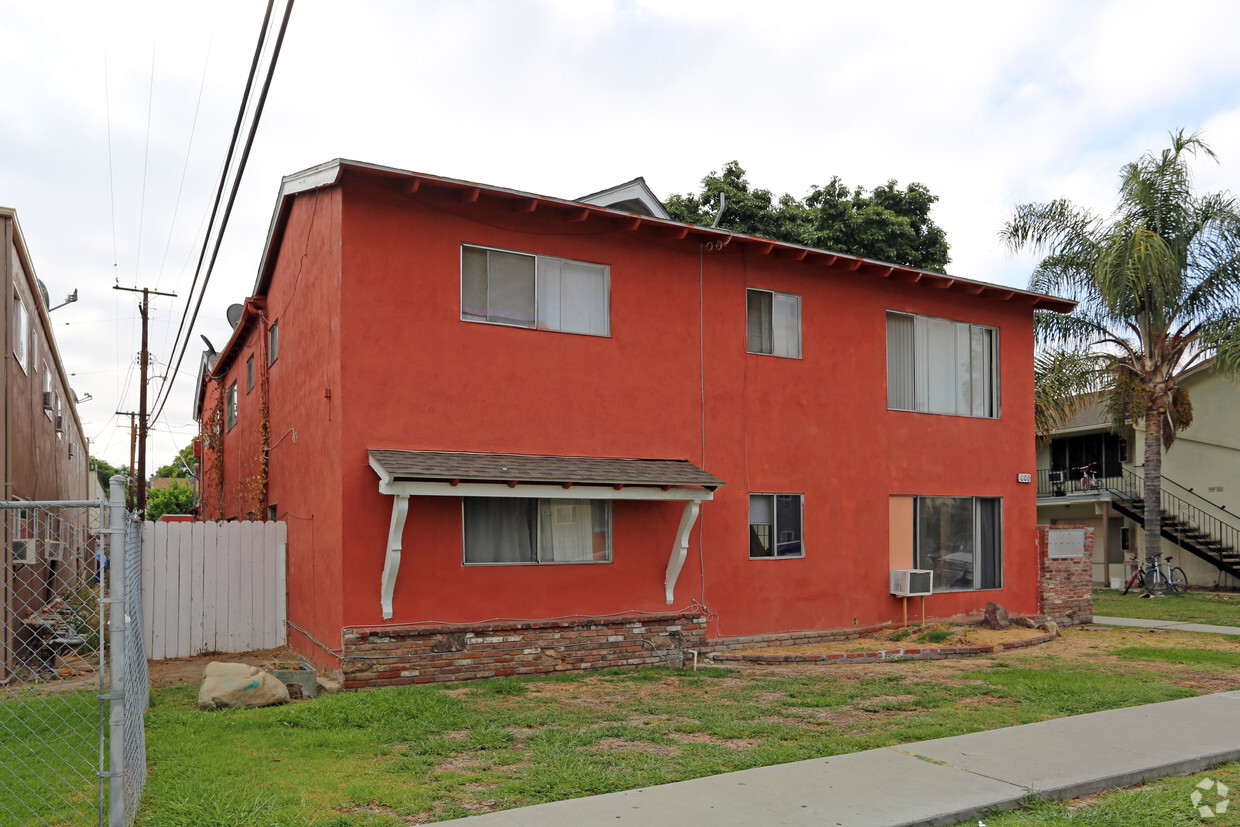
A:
(1066, 585)
(446, 653)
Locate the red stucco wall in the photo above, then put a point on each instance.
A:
(367, 294)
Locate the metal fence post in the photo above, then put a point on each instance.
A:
(116, 651)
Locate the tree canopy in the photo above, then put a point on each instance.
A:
(105, 471)
(1158, 286)
(177, 498)
(180, 466)
(889, 224)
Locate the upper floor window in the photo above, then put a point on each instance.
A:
(21, 332)
(230, 407)
(526, 290)
(249, 373)
(941, 366)
(773, 323)
(273, 343)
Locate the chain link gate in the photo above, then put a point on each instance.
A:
(73, 673)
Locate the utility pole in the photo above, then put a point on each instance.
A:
(133, 444)
(144, 359)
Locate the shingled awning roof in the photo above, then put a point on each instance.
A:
(441, 466)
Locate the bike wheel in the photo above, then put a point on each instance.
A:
(1179, 580)
(1155, 582)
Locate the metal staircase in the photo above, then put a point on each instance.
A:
(1200, 527)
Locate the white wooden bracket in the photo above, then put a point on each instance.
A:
(681, 549)
(391, 565)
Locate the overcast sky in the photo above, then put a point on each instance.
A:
(116, 116)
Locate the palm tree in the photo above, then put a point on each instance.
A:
(1158, 286)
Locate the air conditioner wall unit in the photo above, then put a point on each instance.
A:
(49, 400)
(912, 582)
(24, 552)
(54, 550)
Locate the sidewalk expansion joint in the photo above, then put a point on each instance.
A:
(928, 760)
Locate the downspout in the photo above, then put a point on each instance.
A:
(6, 337)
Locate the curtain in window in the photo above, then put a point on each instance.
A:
(786, 325)
(510, 288)
(759, 337)
(500, 529)
(900, 369)
(572, 296)
(990, 559)
(572, 531)
(473, 283)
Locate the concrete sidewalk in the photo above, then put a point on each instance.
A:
(944, 781)
(1166, 624)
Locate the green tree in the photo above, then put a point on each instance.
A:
(890, 224)
(180, 467)
(105, 471)
(177, 498)
(1158, 286)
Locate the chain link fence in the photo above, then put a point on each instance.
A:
(73, 681)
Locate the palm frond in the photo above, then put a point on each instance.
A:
(1062, 381)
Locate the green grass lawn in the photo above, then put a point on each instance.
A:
(1190, 607)
(1156, 804)
(412, 754)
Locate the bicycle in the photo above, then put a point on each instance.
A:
(1089, 477)
(1137, 577)
(1173, 581)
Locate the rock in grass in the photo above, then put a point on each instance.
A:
(1024, 622)
(238, 686)
(1050, 627)
(996, 617)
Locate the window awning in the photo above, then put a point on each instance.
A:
(404, 474)
(464, 474)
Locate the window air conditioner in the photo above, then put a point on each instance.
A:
(24, 552)
(49, 400)
(54, 550)
(911, 582)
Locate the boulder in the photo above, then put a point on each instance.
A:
(1024, 622)
(996, 617)
(238, 686)
(1050, 627)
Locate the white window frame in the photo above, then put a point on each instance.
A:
(919, 563)
(774, 351)
(540, 261)
(919, 364)
(776, 529)
(542, 502)
(249, 373)
(21, 333)
(273, 343)
(230, 407)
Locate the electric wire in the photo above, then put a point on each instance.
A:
(219, 192)
(254, 122)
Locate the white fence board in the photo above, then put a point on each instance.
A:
(213, 587)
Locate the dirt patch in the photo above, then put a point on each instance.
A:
(461, 764)
(182, 671)
(621, 745)
(955, 636)
(703, 738)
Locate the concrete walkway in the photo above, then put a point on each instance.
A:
(944, 781)
(1166, 624)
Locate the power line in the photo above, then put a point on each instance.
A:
(245, 155)
(219, 191)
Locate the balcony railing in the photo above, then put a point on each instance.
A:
(1074, 483)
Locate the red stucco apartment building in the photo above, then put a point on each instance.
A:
(512, 433)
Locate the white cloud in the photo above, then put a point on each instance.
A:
(989, 104)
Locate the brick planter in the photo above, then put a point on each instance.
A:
(442, 653)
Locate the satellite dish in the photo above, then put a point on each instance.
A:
(234, 315)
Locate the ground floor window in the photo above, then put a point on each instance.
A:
(518, 530)
(960, 540)
(775, 525)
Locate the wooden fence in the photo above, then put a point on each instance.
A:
(213, 587)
